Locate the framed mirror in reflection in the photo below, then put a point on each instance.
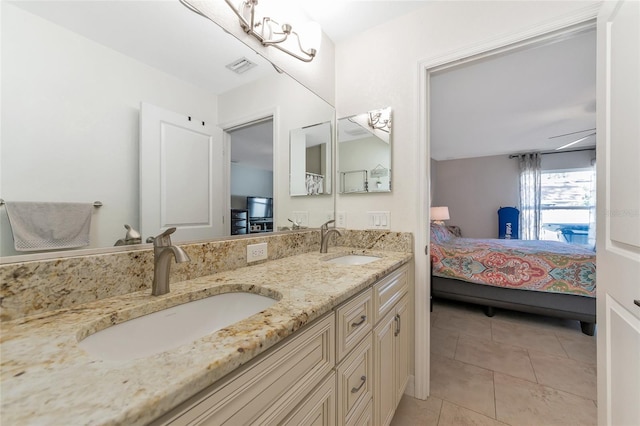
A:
(310, 160)
(74, 76)
(364, 152)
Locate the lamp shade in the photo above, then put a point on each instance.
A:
(439, 213)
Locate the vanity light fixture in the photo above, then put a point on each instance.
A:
(270, 33)
(379, 122)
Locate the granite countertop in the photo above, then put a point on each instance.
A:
(48, 379)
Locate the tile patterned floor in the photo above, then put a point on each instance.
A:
(511, 369)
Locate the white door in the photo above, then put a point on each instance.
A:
(181, 175)
(618, 222)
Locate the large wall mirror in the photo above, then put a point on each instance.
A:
(74, 76)
(310, 155)
(364, 152)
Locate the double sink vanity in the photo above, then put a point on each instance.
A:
(304, 337)
(293, 340)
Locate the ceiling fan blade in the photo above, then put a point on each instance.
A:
(575, 142)
(572, 133)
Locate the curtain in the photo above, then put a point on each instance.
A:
(530, 195)
(314, 183)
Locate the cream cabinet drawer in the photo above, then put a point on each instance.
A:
(355, 382)
(318, 409)
(366, 417)
(271, 385)
(354, 320)
(388, 291)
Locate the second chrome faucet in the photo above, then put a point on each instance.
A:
(325, 233)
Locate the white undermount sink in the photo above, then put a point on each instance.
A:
(353, 259)
(169, 328)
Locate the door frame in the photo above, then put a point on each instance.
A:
(579, 21)
(239, 122)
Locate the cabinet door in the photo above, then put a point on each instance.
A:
(402, 348)
(318, 409)
(384, 390)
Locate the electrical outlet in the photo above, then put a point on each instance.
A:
(341, 219)
(256, 252)
(329, 216)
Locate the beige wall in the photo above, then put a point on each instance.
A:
(474, 189)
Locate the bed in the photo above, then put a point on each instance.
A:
(542, 277)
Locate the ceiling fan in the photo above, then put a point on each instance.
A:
(580, 139)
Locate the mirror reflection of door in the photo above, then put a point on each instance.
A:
(181, 172)
(310, 160)
(251, 177)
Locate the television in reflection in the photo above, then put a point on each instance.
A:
(260, 207)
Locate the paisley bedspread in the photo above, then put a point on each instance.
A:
(550, 266)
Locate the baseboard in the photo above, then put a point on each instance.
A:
(410, 388)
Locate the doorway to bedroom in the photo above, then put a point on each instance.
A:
(482, 110)
(488, 111)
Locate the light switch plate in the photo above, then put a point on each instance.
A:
(378, 220)
(341, 219)
(256, 252)
(301, 218)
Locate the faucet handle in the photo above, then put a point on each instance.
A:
(325, 226)
(164, 239)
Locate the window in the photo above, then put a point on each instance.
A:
(568, 205)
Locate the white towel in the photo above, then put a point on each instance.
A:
(46, 226)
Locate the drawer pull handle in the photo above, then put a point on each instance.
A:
(364, 380)
(397, 321)
(363, 318)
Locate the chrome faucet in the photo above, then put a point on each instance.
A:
(162, 251)
(325, 232)
(294, 225)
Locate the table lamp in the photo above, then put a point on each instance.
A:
(439, 215)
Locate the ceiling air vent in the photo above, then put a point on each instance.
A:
(241, 65)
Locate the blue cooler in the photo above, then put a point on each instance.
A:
(508, 223)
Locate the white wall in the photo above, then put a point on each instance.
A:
(318, 75)
(350, 157)
(249, 181)
(294, 106)
(84, 126)
(568, 160)
(474, 189)
(378, 68)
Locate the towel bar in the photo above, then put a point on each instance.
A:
(95, 203)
